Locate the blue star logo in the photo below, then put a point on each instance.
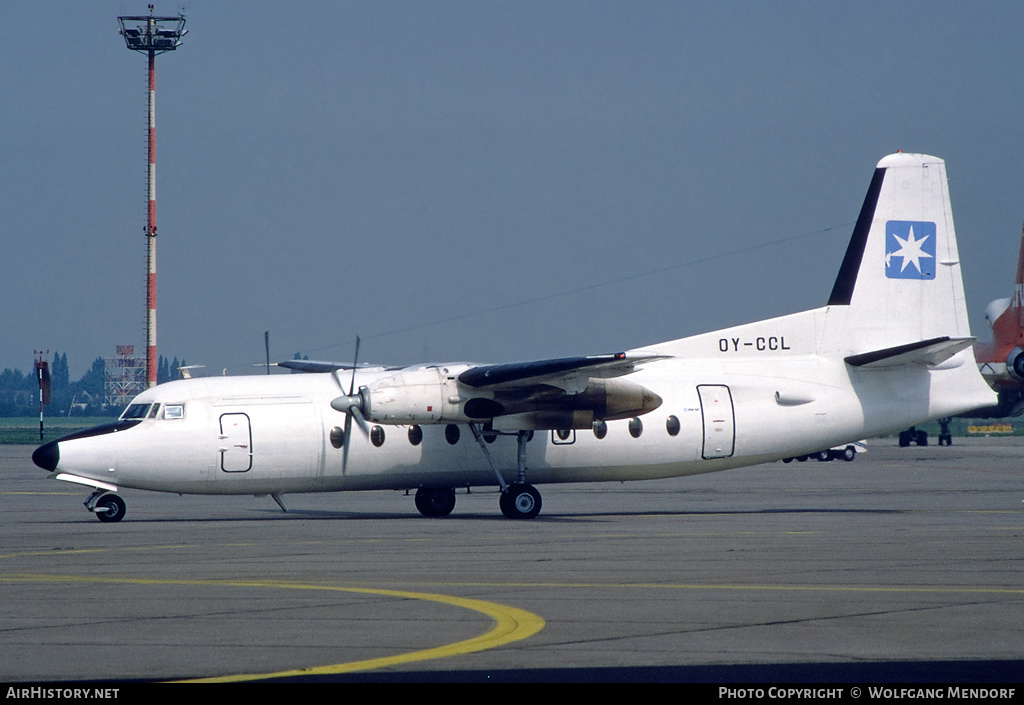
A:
(909, 249)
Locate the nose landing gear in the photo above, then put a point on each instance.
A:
(107, 507)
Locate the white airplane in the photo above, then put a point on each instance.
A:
(890, 349)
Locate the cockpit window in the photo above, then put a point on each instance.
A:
(136, 411)
(154, 411)
(174, 411)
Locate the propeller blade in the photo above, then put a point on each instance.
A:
(360, 421)
(348, 442)
(350, 405)
(355, 363)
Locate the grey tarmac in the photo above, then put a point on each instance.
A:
(903, 565)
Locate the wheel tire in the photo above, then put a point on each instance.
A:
(922, 438)
(822, 456)
(435, 502)
(904, 439)
(520, 502)
(849, 453)
(110, 508)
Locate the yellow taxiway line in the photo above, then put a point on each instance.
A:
(510, 623)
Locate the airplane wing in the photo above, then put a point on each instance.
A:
(312, 365)
(560, 393)
(323, 366)
(926, 352)
(571, 374)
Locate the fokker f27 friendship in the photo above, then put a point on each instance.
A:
(890, 349)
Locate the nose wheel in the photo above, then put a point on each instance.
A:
(108, 508)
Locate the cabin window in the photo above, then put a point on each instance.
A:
(174, 411)
(636, 427)
(337, 436)
(136, 411)
(672, 426)
(451, 433)
(600, 428)
(415, 435)
(563, 434)
(377, 436)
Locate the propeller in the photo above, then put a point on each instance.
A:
(352, 405)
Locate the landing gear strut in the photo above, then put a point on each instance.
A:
(518, 500)
(945, 437)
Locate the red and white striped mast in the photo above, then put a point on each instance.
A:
(152, 35)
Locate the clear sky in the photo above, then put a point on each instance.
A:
(480, 180)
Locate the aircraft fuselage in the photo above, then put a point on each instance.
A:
(273, 434)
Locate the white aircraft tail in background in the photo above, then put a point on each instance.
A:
(890, 349)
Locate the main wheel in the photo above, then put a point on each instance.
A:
(520, 502)
(110, 508)
(849, 453)
(435, 502)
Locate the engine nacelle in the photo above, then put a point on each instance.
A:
(433, 395)
(1015, 364)
(417, 395)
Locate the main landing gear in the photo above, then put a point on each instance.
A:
(106, 506)
(435, 502)
(518, 500)
(913, 436)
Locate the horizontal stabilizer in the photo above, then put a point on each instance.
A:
(925, 352)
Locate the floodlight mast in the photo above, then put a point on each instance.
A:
(152, 35)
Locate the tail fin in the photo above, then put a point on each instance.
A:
(901, 276)
(1009, 326)
(1003, 356)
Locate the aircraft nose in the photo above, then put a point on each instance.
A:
(47, 456)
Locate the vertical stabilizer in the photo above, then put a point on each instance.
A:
(1016, 302)
(1003, 357)
(901, 276)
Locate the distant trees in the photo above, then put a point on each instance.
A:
(19, 392)
(60, 377)
(92, 380)
(168, 370)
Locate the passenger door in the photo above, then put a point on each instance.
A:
(719, 421)
(235, 443)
